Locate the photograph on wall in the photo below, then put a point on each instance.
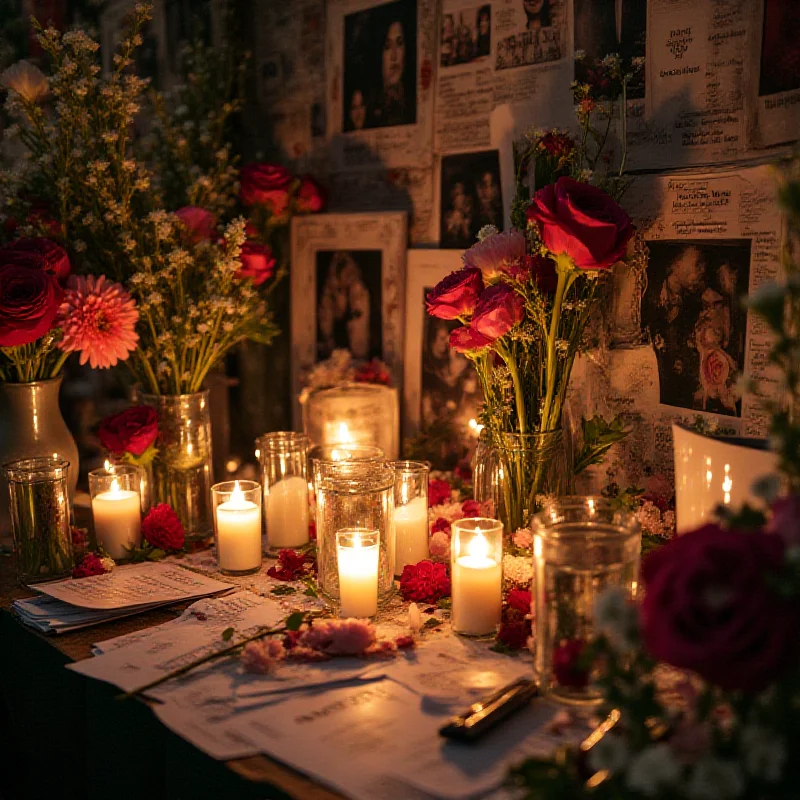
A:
(536, 35)
(466, 35)
(470, 197)
(697, 325)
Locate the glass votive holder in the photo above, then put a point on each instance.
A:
(411, 528)
(284, 479)
(117, 508)
(581, 547)
(358, 560)
(354, 495)
(237, 526)
(476, 574)
(40, 519)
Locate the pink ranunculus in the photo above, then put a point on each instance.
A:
(44, 253)
(581, 222)
(258, 263)
(785, 520)
(29, 303)
(498, 311)
(456, 295)
(339, 637)
(497, 254)
(439, 492)
(132, 431)
(311, 197)
(266, 185)
(200, 224)
(439, 545)
(468, 340)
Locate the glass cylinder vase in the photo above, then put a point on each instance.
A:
(183, 469)
(581, 546)
(354, 495)
(40, 520)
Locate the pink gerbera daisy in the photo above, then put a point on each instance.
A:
(496, 254)
(98, 319)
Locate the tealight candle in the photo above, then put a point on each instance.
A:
(237, 517)
(358, 554)
(411, 513)
(477, 575)
(116, 509)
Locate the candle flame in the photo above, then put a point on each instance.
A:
(478, 546)
(237, 496)
(107, 465)
(343, 434)
(114, 486)
(357, 541)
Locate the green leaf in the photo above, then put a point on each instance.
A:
(227, 634)
(311, 587)
(294, 621)
(432, 622)
(446, 603)
(599, 436)
(282, 590)
(156, 554)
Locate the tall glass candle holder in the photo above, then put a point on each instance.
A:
(476, 572)
(410, 513)
(358, 557)
(581, 546)
(284, 479)
(40, 520)
(354, 495)
(237, 526)
(117, 508)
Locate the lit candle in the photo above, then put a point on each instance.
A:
(343, 434)
(287, 513)
(238, 533)
(477, 589)
(411, 534)
(117, 516)
(358, 555)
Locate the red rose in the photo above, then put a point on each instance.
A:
(567, 667)
(581, 222)
(709, 606)
(91, 564)
(467, 340)
(471, 508)
(498, 311)
(441, 524)
(518, 603)
(133, 430)
(456, 295)
(29, 301)
(714, 369)
(42, 253)
(201, 224)
(311, 197)
(425, 582)
(514, 635)
(266, 185)
(162, 528)
(438, 492)
(291, 565)
(373, 372)
(258, 263)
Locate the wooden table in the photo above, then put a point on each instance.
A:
(63, 735)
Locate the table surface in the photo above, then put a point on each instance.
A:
(77, 646)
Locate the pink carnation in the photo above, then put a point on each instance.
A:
(339, 637)
(262, 655)
(523, 538)
(439, 545)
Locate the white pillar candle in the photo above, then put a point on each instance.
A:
(117, 516)
(358, 576)
(238, 533)
(411, 534)
(477, 586)
(287, 513)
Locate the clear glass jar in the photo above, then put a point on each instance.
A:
(354, 495)
(237, 526)
(116, 508)
(581, 546)
(40, 518)
(183, 469)
(411, 529)
(284, 479)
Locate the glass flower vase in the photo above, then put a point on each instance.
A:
(183, 471)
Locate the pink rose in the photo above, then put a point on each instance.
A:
(467, 340)
(258, 263)
(266, 185)
(456, 295)
(43, 253)
(581, 222)
(311, 197)
(200, 224)
(500, 308)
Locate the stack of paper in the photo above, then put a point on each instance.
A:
(71, 604)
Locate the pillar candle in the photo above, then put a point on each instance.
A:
(117, 516)
(411, 534)
(238, 534)
(287, 513)
(477, 586)
(358, 577)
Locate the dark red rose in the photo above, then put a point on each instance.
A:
(581, 222)
(258, 263)
(568, 668)
(91, 564)
(438, 492)
(709, 606)
(200, 224)
(514, 635)
(456, 295)
(518, 603)
(498, 311)
(43, 253)
(162, 528)
(132, 431)
(266, 185)
(425, 582)
(29, 301)
(311, 197)
(292, 565)
(471, 508)
(373, 372)
(441, 524)
(467, 340)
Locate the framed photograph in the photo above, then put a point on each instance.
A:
(440, 386)
(466, 35)
(347, 279)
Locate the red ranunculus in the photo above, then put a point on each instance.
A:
(567, 667)
(514, 635)
(467, 340)
(498, 311)
(709, 606)
(132, 431)
(471, 508)
(258, 263)
(44, 254)
(266, 185)
(162, 528)
(518, 603)
(311, 197)
(425, 582)
(438, 492)
(456, 295)
(200, 224)
(582, 222)
(29, 301)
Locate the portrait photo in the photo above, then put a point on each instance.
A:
(380, 58)
(470, 197)
(696, 323)
(349, 303)
(780, 56)
(539, 36)
(466, 35)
